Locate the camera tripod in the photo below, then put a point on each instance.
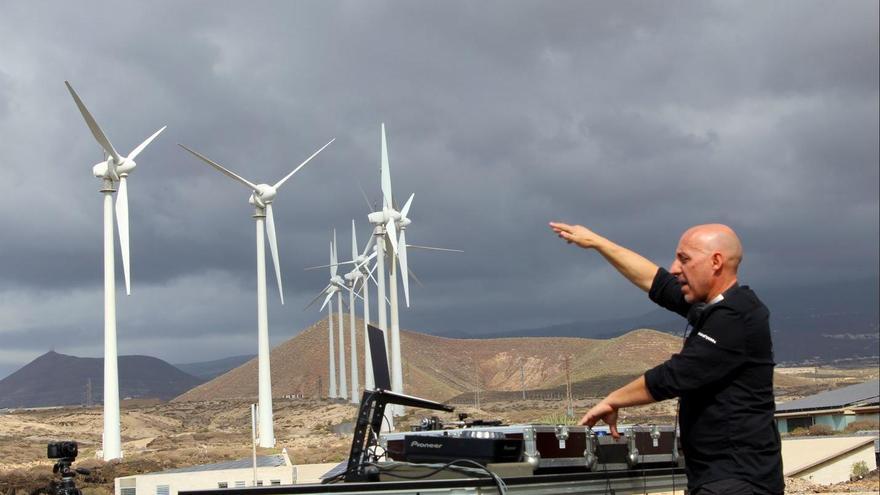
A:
(67, 485)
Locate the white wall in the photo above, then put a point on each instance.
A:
(145, 484)
(839, 469)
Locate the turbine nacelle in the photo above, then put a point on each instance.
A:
(337, 281)
(384, 216)
(377, 218)
(263, 195)
(110, 169)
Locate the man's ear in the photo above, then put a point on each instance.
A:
(717, 261)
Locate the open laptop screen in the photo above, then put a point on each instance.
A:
(379, 358)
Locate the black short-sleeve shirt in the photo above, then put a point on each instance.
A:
(724, 379)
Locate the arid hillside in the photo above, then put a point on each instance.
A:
(441, 368)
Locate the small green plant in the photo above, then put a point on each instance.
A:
(859, 470)
(557, 418)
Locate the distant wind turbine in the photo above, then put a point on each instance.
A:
(335, 286)
(262, 196)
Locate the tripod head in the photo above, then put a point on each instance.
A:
(65, 453)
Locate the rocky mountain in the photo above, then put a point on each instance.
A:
(55, 379)
(441, 368)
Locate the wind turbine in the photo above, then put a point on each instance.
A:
(390, 226)
(356, 284)
(115, 168)
(385, 227)
(335, 287)
(262, 196)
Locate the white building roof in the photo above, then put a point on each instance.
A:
(262, 461)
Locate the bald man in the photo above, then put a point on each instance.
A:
(723, 375)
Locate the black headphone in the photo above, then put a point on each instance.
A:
(697, 309)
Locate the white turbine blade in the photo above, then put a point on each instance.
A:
(333, 259)
(93, 125)
(354, 241)
(369, 205)
(353, 292)
(332, 264)
(372, 276)
(385, 173)
(391, 231)
(122, 222)
(327, 266)
(326, 300)
(225, 171)
(137, 151)
(273, 247)
(412, 275)
(429, 248)
(282, 181)
(313, 301)
(404, 271)
(366, 260)
(359, 285)
(406, 206)
(369, 245)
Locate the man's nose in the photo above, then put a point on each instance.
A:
(675, 267)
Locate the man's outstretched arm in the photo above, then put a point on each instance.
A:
(635, 267)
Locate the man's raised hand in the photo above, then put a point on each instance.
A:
(577, 234)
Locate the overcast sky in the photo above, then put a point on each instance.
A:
(637, 119)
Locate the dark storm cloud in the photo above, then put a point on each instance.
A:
(637, 119)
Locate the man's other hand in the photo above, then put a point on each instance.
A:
(606, 413)
(577, 234)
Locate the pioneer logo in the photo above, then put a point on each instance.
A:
(422, 445)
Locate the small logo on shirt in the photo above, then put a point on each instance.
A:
(710, 339)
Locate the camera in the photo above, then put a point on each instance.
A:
(61, 450)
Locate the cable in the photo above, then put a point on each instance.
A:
(388, 469)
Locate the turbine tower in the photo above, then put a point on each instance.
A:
(114, 169)
(339, 283)
(330, 290)
(262, 196)
(350, 279)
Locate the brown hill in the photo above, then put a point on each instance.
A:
(441, 368)
(55, 379)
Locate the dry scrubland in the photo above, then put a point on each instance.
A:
(160, 436)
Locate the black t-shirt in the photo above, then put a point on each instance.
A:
(724, 377)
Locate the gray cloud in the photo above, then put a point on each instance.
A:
(637, 119)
